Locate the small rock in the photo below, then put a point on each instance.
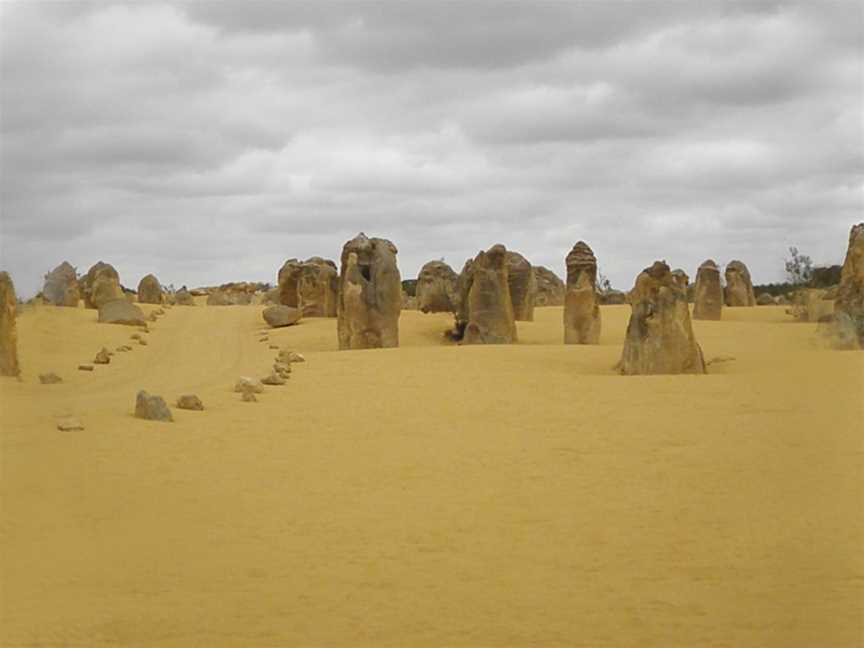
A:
(273, 379)
(190, 402)
(281, 368)
(85, 367)
(142, 342)
(50, 378)
(152, 408)
(69, 424)
(290, 356)
(248, 385)
(135, 336)
(103, 357)
(274, 346)
(248, 397)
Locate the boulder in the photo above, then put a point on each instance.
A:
(152, 408)
(190, 402)
(61, 286)
(708, 300)
(103, 357)
(850, 294)
(659, 337)
(289, 283)
(318, 287)
(120, 311)
(550, 289)
(101, 284)
(485, 310)
(370, 294)
(250, 385)
(739, 287)
(184, 298)
(435, 289)
(582, 321)
(277, 316)
(149, 290)
(8, 332)
(523, 286)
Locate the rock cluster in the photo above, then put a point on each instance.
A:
(550, 289)
(149, 290)
(523, 286)
(582, 321)
(739, 287)
(8, 332)
(659, 337)
(708, 300)
(485, 313)
(370, 294)
(61, 286)
(436, 288)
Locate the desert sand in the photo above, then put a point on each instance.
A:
(430, 494)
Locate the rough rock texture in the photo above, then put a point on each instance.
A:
(318, 287)
(765, 300)
(101, 284)
(61, 286)
(277, 316)
(248, 385)
(523, 286)
(190, 402)
(229, 297)
(739, 287)
(289, 283)
(613, 297)
(708, 300)
(850, 294)
(370, 294)
(120, 311)
(103, 357)
(50, 378)
(581, 301)
(550, 288)
(184, 298)
(681, 278)
(8, 333)
(275, 378)
(485, 310)
(149, 290)
(152, 408)
(659, 337)
(436, 288)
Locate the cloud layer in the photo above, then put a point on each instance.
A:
(209, 141)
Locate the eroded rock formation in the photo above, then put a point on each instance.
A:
(708, 300)
(318, 287)
(581, 301)
(523, 286)
(436, 288)
(8, 332)
(550, 288)
(149, 290)
(659, 336)
(485, 309)
(370, 294)
(61, 286)
(101, 284)
(850, 294)
(739, 287)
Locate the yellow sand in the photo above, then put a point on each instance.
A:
(432, 495)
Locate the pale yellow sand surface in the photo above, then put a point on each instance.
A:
(431, 495)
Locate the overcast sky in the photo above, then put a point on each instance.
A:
(209, 141)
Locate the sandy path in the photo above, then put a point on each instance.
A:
(432, 495)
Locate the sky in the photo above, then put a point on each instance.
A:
(209, 141)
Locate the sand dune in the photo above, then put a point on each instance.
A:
(519, 495)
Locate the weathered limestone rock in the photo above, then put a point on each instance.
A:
(120, 311)
(581, 302)
(289, 283)
(69, 424)
(152, 408)
(61, 286)
(485, 310)
(250, 385)
(739, 287)
(681, 278)
(275, 378)
(765, 300)
(708, 301)
(810, 305)
(612, 298)
(523, 286)
(85, 367)
(318, 287)
(550, 289)
(370, 294)
(229, 296)
(436, 288)
(103, 357)
(101, 284)
(184, 298)
(149, 290)
(277, 316)
(659, 336)
(290, 357)
(850, 294)
(8, 332)
(50, 378)
(190, 402)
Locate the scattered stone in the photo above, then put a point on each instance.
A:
(61, 286)
(149, 290)
(8, 332)
(152, 408)
(190, 402)
(248, 397)
(120, 311)
(370, 294)
(85, 367)
(245, 384)
(739, 287)
(273, 379)
(550, 288)
(103, 357)
(278, 316)
(659, 337)
(436, 288)
(50, 378)
(289, 357)
(522, 285)
(582, 322)
(69, 424)
(708, 300)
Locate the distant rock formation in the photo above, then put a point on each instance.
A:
(61, 286)
(659, 337)
(850, 294)
(811, 305)
(581, 302)
(739, 287)
(120, 311)
(101, 284)
(612, 297)
(370, 294)
(149, 290)
(8, 332)
(184, 298)
(436, 288)
(278, 316)
(523, 286)
(708, 300)
(289, 283)
(318, 287)
(765, 299)
(485, 308)
(550, 288)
